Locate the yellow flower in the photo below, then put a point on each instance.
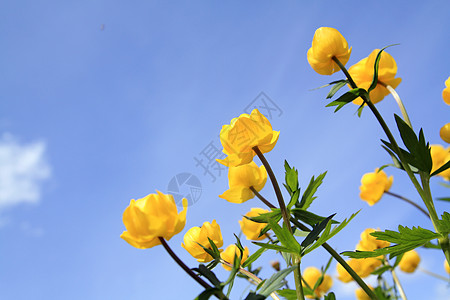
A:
(361, 294)
(362, 74)
(252, 229)
(373, 186)
(447, 268)
(240, 179)
(446, 92)
(149, 218)
(200, 235)
(440, 156)
(328, 43)
(244, 133)
(229, 254)
(445, 133)
(410, 261)
(311, 275)
(369, 242)
(363, 267)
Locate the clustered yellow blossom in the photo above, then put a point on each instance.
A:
(310, 275)
(252, 229)
(440, 156)
(409, 262)
(373, 186)
(362, 74)
(150, 218)
(328, 43)
(200, 235)
(241, 178)
(244, 133)
(230, 253)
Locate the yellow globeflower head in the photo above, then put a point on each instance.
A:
(373, 186)
(328, 43)
(369, 242)
(363, 267)
(445, 133)
(410, 261)
(200, 235)
(252, 229)
(241, 178)
(311, 275)
(362, 74)
(244, 133)
(446, 92)
(229, 254)
(440, 156)
(149, 218)
(361, 294)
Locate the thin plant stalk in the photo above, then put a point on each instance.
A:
(408, 201)
(203, 283)
(446, 279)
(327, 247)
(399, 285)
(399, 102)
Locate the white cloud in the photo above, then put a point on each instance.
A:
(22, 170)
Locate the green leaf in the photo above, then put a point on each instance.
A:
(430, 245)
(285, 237)
(317, 229)
(288, 294)
(275, 247)
(253, 257)
(274, 215)
(254, 296)
(336, 87)
(206, 294)
(444, 199)
(381, 270)
(275, 282)
(308, 217)
(208, 274)
(441, 169)
(346, 98)
(330, 296)
(328, 233)
(444, 224)
(308, 195)
(375, 71)
(405, 239)
(360, 110)
(291, 176)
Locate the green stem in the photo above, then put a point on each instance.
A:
(424, 190)
(398, 284)
(329, 249)
(446, 279)
(203, 283)
(276, 187)
(298, 281)
(408, 201)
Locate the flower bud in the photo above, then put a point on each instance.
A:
(311, 275)
(229, 254)
(410, 261)
(445, 133)
(373, 186)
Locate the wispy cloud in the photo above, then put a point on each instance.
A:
(23, 168)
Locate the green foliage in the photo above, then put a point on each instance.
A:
(328, 233)
(337, 85)
(405, 240)
(288, 294)
(444, 224)
(253, 296)
(375, 70)
(208, 274)
(418, 155)
(441, 169)
(330, 296)
(444, 199)
(292, 186)
(308, 195)
(347, 98)
(308, 217)
(275, 282)
(253, 257)
(315, 232)
(206, 294)
(274, 215)
(285, 237)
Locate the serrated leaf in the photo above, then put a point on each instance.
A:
(291, 177)
(253, 257)
(336, 87)
(317, 229)
(330, 296)
(274, 247)
(381, 270)
(275, 282)
(274, 215)
(308, 195)
(308, 217)
(405, 239)
(346, 98)
(294, 199)
(208, 274)
(288, 294)
(444, 223)
(285, 237)
(328, 233)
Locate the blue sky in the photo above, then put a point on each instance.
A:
(105, 101)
